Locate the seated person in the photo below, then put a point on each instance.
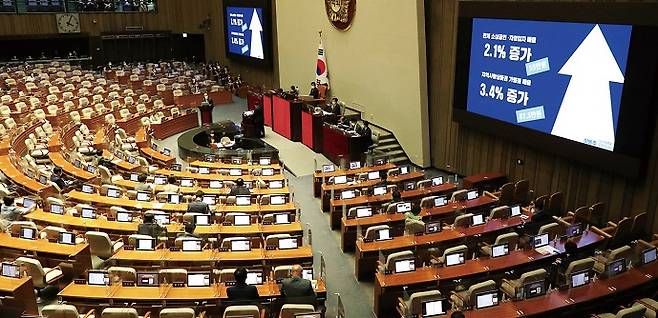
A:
(10, 212)
(345, 123)
(571, 254)
(188, 231)
(171, 185)
(297, 288)
(242, 291)
(239, 188)
(143, 185)
(151, 228)
(198, 206)
(315, 92)
(57, 177)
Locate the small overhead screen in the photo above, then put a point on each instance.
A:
(247, 31)
(563, 78)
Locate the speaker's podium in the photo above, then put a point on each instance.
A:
(206, 113)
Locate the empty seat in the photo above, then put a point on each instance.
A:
(466, 298)
(41, 276)
(514, 288)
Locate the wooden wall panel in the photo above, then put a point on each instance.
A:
(177, 16)
(469, 152)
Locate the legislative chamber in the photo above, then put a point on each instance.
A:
(337, 158)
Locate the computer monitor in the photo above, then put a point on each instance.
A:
(348, 194)
(648, 256)
(186, 183)
(28, 233)
(288, 243)
(455, 259)
(198, 279)
(43, 179)
(209, 199)
(363, 212)
(276, 185)
(77, 163)
(113, 193)
(540, 240)
(515, 210)
(404, 207)
(434, 308)
(580, 278)
(477, 219)
(328, 168)
(440, 201)
(145, 244)
(28, 202)
(243, 200)
(159, 180)
(278, 199)
(307, 273)
(166, 151)
(134, 177)
(11, 270)
(57, 209)
(355, 165)
(216, 184)
(486, 299)
(191, 245)
(154, 146)
(204, 170)
(309, 315)
(574, 229)
(86, 188)
(202, 219)
(267, 172)
(90, 169)
(534, 289)
(383, 235)
(235, 172)
(473, 194)
(499, 250)
(437, 181)
(409, 186)
(373, 175)
(340, 179)
(162, 219)
(132, 160)
(616, 267)
(147, 279)
(236, 160)
(66, 238)
(98, 278)
(176, 167)
(124, 216)
(404, 170)
(265, 161)
(240, 245)
(380, 190)
(143, 196)
(433, 227)
(405, 265)
(281, 218)
(254, 277)
(173, 198)
(88, 213)
(242, 219)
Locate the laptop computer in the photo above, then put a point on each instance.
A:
(28, 233)
(86, 188)
(173, 198)
(88, 213)
(235, 172)
(215, 184)
(159, 180)
(340, 179)
(134, 177)
(186, 183)
(254, 277)
(348, 194)
(90, 169)
(265, 161)
(113, 193)
(616, 267)
(473, 194)
(275, 185)
(204, 170)
(404, 170)
(328, 168)
(373, 175)
(162, 219)
(433, 227)
(383, 235)
(477, 219)
(515, 210)
(28, 202)
(534, 289)
(209, 199)
(278, 199)
(355, 165)
(436, 181)
(267, 172)
(166, 151)
(404, 207)
(380, 190)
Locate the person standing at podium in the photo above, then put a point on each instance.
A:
(315, 93)
(207, 99)
(206, 107)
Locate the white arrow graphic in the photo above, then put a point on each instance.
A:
(586, 111)
(256, 40)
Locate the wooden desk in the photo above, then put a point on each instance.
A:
(121, 164)
(485, 181)
(217, 176)
(367, 254)
(319, 176)
(127, 184)
(54, 147)
(22, 290)
(127, 228)
(327, 189)
(17, 177)
(337, 144)
(194, 100)
(375, 201)
(49, 253)
(173, 125)
(144, 145)
(349, 226)
(389, 287)
(211, 258)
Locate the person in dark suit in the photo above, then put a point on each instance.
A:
(198, 205)
(150, 228)
(259, 120)
(241, 291)
(334, 107)
(239, 188)
(297, 288)
(189, 231)
(207, 99)
(315, 92)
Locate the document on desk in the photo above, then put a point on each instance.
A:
(545, 250)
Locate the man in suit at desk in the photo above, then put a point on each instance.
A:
(297, 288)
(198, 206)
(208, 100)
(334, 107)
(241, 291)
(315, 93)
(10, 212)
(364, 130)
(188, 231)
(142, 185)
(57, 177)
(239, 188)
(259, 120)
(151, 228)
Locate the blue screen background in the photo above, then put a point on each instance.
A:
(236, 37)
